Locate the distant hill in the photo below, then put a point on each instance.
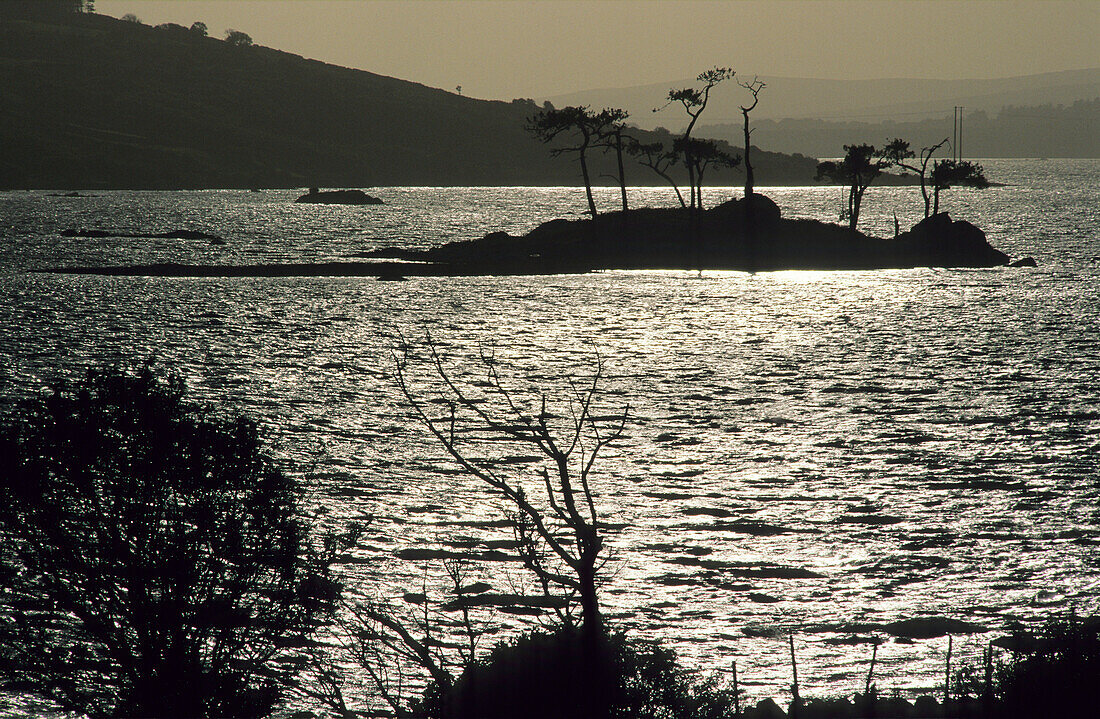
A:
(1031, 131)
(852, 100)
(94, 102)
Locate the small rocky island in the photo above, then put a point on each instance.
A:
(743, 234)
(338, 197)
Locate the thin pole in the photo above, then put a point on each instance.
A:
(871, 671)
(794, 674)
(961, 108)
(954, 132)
(736, 693)
(947, 674)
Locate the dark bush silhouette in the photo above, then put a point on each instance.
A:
(199, 28)
(541, 676)
(152, 559)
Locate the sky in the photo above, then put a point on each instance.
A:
(539, 48)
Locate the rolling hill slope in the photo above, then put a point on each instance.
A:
(94, 102)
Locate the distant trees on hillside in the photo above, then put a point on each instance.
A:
(199, 28)
(238, 38)
(130, 17)
(1047, 130)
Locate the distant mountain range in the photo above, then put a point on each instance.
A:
(862, 100)
(93, 102)
(844, 106)
(1029, 131)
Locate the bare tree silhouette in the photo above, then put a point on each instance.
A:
(754, 86)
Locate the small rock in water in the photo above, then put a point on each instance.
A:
(929, 627)
(762, 598)
(1023, 262)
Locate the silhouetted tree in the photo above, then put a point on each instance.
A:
(580, 126)
(703, 154)
(130, 17)
(754, 86)
(654, 156)
(199, 28)
(609, 126)
(859, 168)
(954, 173)
(153, 559)
(238, 38)
(897, 152)
(694, 102)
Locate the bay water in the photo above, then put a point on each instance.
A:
(816, 453)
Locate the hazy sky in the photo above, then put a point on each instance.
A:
(537, 48)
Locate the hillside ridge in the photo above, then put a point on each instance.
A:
(94, 102)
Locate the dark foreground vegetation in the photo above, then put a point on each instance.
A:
(155, 562)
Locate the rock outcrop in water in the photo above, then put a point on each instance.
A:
(338, 197)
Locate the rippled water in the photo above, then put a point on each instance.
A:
(921, 441)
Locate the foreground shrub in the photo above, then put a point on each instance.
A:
(545, 676)
(1052, 673)
(152, 559)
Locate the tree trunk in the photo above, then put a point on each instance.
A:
(619, 157)
(749, 180)
(936, 201)
(689, 161)
(924, 194)
(857, 198)
(587, 184)
(675, 187)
